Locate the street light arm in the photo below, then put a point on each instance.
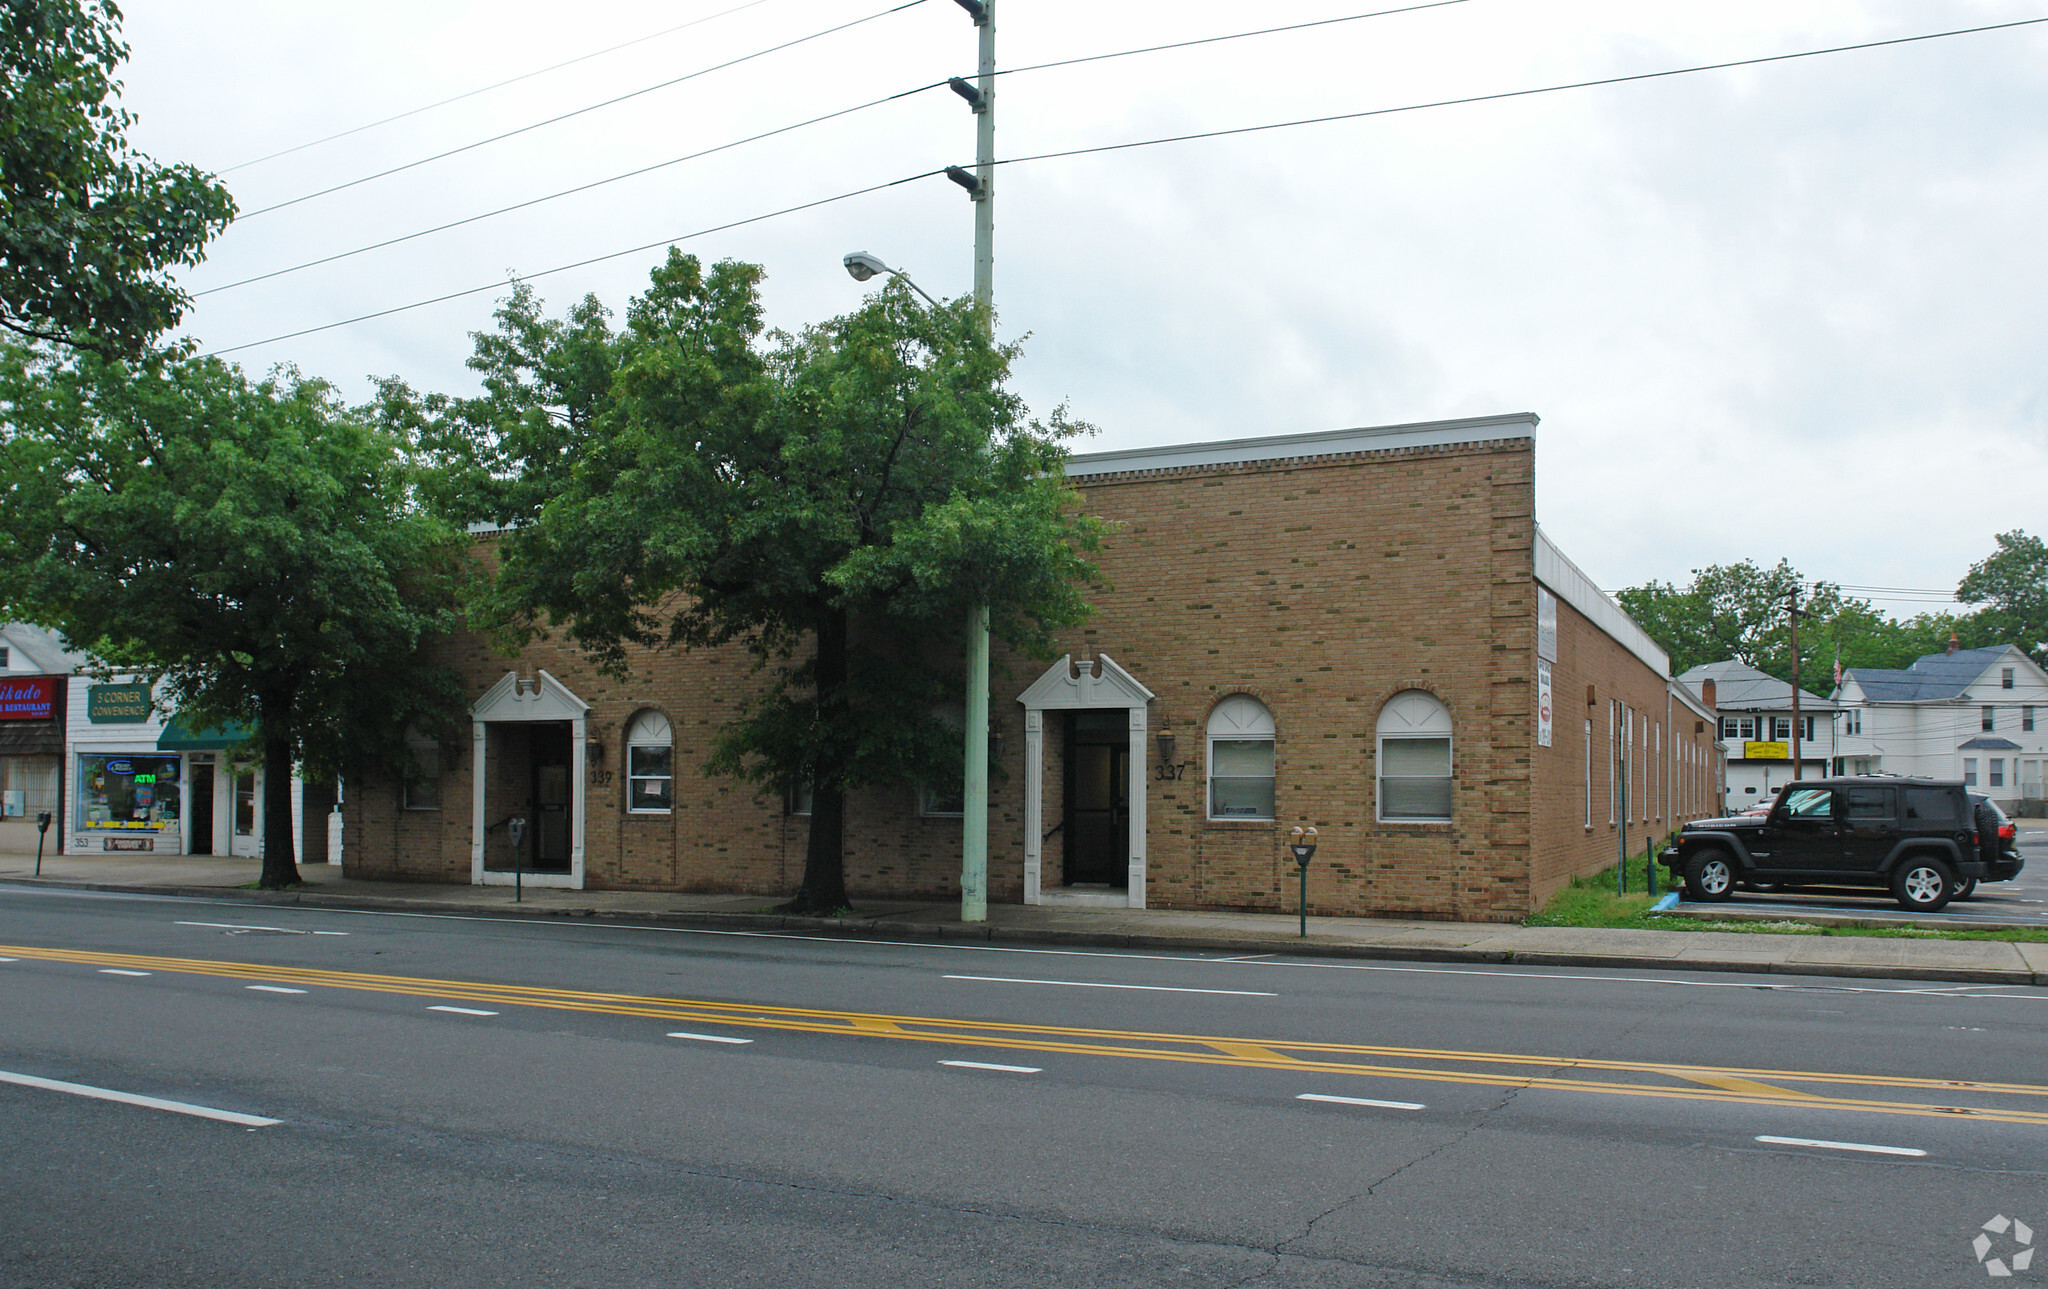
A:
(864, 266)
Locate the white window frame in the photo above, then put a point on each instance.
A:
(1413, 715)
(1997, 773)
(2026, 720)
(1240, 718)
(1970, 771)
(641, 732)
(2004, 677)
(1989, 719)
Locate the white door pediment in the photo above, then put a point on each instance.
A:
(1064, 687)
(546, 699)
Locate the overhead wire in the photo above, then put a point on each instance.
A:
(564, 116)
(1178, 138)
(815, 120)
(584, 263)
(485, 89)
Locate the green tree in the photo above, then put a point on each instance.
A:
(1740, 611)
(255, 544)
(2012, 584)
(833, 501)
(89, 230)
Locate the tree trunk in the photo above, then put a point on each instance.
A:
(280, 866)
(823, 890)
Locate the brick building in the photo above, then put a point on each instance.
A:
(1363, 630)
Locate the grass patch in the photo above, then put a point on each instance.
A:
(1591, 901)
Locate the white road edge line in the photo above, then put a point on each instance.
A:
(1001, 1069)
(460, 1011)
(713, 1038)
(273, 989)
(1906, 1151)
(1366, 1101)
(1096, 984)
(130, 1098)
(117, 971)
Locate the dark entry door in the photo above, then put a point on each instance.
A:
(1098, 799)
(199, 807)
(552, 797)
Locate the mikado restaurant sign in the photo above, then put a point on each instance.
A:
(31, 699)
(117, 704)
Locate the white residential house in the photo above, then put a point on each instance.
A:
(1757, 727)
(1979, 715)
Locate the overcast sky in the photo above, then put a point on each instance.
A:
(1790, 310)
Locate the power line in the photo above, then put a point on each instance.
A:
(485, 89)
(610, 102)
(566, 192)
(755, 138)
(1511, 94)
(595, 259)
(1144, 143)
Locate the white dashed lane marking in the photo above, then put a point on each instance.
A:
(1862, 1147)
(130, 1098)
(273, 989)
(461, 1011)
(712, 1038)
(1364, 1101)
(116, 971)
(1000, 1069)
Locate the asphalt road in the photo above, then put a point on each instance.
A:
(376, 1099)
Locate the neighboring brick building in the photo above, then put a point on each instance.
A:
(1340, 629)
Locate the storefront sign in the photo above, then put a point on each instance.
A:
(117, 704)
(33, 698)
(1754, 751)
(128, 843)
(1543, 706)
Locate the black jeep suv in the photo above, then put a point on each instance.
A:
(1915, 837)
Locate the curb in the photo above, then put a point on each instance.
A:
(871, 929)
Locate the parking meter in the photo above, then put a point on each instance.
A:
(42, 831)
(516, 825)
(1302, 843)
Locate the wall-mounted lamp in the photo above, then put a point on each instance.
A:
(593, 747)
(995, 740)
(1166, 742)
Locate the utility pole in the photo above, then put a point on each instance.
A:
(981, 186)
(1793, 609)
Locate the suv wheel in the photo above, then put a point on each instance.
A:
(1922, 885)
(1709, 875)
(1964, 888)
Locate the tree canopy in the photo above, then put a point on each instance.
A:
(89, 230)
(1739, 611)
(832, 500)
(257, 545)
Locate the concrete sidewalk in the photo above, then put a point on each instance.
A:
(1976, 962)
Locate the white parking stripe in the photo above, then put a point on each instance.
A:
(116, 971)
(1365, 1101)
(273, 989)
(130, 1098)
(713, 1038)
(1000, 1069)
(461, 1011)
(1906, 1151)
(1096, 984)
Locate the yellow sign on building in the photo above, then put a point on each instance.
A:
(1754, 751)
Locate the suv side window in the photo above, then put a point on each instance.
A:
(1810, 803)
(1931, 806)
(1868, 803)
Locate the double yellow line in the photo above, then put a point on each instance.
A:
(2023, 1103)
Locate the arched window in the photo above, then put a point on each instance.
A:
(1240, 759)
(1415, 759)
(650, 765)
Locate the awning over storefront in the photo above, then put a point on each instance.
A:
(179, 736)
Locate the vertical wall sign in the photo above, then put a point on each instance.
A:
(1546, 625)
(1543, 704)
